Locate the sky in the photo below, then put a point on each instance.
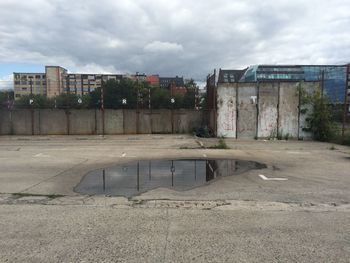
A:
(180, 37)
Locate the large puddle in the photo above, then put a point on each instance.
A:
(140, 176)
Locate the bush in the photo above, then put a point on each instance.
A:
(204, 132)
(320, 118)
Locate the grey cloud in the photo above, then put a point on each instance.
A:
(187, 38)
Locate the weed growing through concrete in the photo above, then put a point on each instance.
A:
(221, 145)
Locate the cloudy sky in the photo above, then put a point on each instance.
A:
(180, 37)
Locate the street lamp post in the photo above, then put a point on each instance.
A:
(31, 102)
(102, 109)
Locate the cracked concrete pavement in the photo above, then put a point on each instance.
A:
(240, 218)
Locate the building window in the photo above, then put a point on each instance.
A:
(17, 82)
(18, 95)
(24, 88)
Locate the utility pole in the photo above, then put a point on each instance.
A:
(137, 102)
(322, 82)
(31, 85)
(214, 103)
(345, 113)
(31, 102)
(102, 109)
(67, 85)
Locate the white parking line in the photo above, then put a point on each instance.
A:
(41, 155)
(272, 179)
(129, 156)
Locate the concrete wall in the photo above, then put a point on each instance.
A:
(226, 110)
(309, 87)
(113, 121)
(22, 122)
(288, 110)
(185, 121)
(5, 122)
(145, 121)
(263, 110)
(267, 110)
(52, 122)
(161, 121)
(84, 122)
(247, 113)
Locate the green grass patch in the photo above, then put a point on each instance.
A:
(220, 145)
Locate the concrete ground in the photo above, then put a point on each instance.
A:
(240, 218)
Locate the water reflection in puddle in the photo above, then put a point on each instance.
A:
(136, 177)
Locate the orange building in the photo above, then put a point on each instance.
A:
(153, 80)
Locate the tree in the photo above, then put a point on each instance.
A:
(319, 115)
(189, 99)
(113, 94)
(5, 98)
(71, 101)
(34, 101)
(160, 98)
(190, 96)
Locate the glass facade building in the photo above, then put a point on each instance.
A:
(334, 76)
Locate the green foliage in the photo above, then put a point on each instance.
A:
(4, 97)
(39, 102)
(204, 132)
(202, 102)
(160, 98)
(286, 136)
(114, 92)
(63, 101)
(320, 119)
(136, 94)
(189, 99)
(282, 136)
(66, 101)
(221, 144)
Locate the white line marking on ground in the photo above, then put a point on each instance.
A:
(272, 179)
(211, 168)
(129, 156)
(41, 155)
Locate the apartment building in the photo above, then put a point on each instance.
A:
(81, 84)
(29, 83)
(50, 83)
(56, 80)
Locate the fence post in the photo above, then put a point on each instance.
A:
(257, 109)
(299, 99)
(345, 100)
(32, 118)
(278, 109)
(68, 121)
(172, 120)
(237, 110)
